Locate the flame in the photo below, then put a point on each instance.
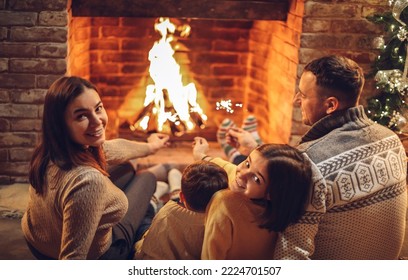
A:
(169, 99)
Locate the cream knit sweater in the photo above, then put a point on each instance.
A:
(73, 219)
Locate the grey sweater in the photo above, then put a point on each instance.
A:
(358, 202)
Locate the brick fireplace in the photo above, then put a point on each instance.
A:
(227, 59)
(249, 54)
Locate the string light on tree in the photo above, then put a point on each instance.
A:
(388, 107)
(379, 43)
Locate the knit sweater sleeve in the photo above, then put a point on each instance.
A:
(229, 167)
(82, 210)
(121, 150)
(297, 241)
(218, 230)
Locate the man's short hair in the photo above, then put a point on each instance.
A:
(339, 75)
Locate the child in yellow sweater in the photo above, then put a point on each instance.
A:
(267, 193)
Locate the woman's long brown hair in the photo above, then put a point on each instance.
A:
(290, 180)
(55, 144)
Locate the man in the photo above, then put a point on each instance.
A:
(358, 200)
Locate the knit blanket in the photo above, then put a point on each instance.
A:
(13, 200)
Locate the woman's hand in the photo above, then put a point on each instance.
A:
(200, 148)
(156, 141)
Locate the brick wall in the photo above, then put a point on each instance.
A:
(32, 55)
(79, 37)
(273, 73)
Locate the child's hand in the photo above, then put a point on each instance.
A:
(200, 148)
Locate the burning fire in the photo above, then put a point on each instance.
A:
(169, 106)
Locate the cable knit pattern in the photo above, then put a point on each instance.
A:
(120, 150)
(176, 233)
(359, 199)
(75, 216)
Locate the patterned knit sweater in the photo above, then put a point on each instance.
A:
(73, 219)
(176, 233)
(358, 202)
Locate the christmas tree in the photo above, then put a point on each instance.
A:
(389, 107)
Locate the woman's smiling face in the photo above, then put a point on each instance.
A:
(86, 119)
(252, 177)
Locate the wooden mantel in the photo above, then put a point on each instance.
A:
(203, 9)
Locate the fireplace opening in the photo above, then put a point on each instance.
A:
(170, 106)
(237, 66)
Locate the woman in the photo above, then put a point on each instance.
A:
(74, 209)
(267, 193)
